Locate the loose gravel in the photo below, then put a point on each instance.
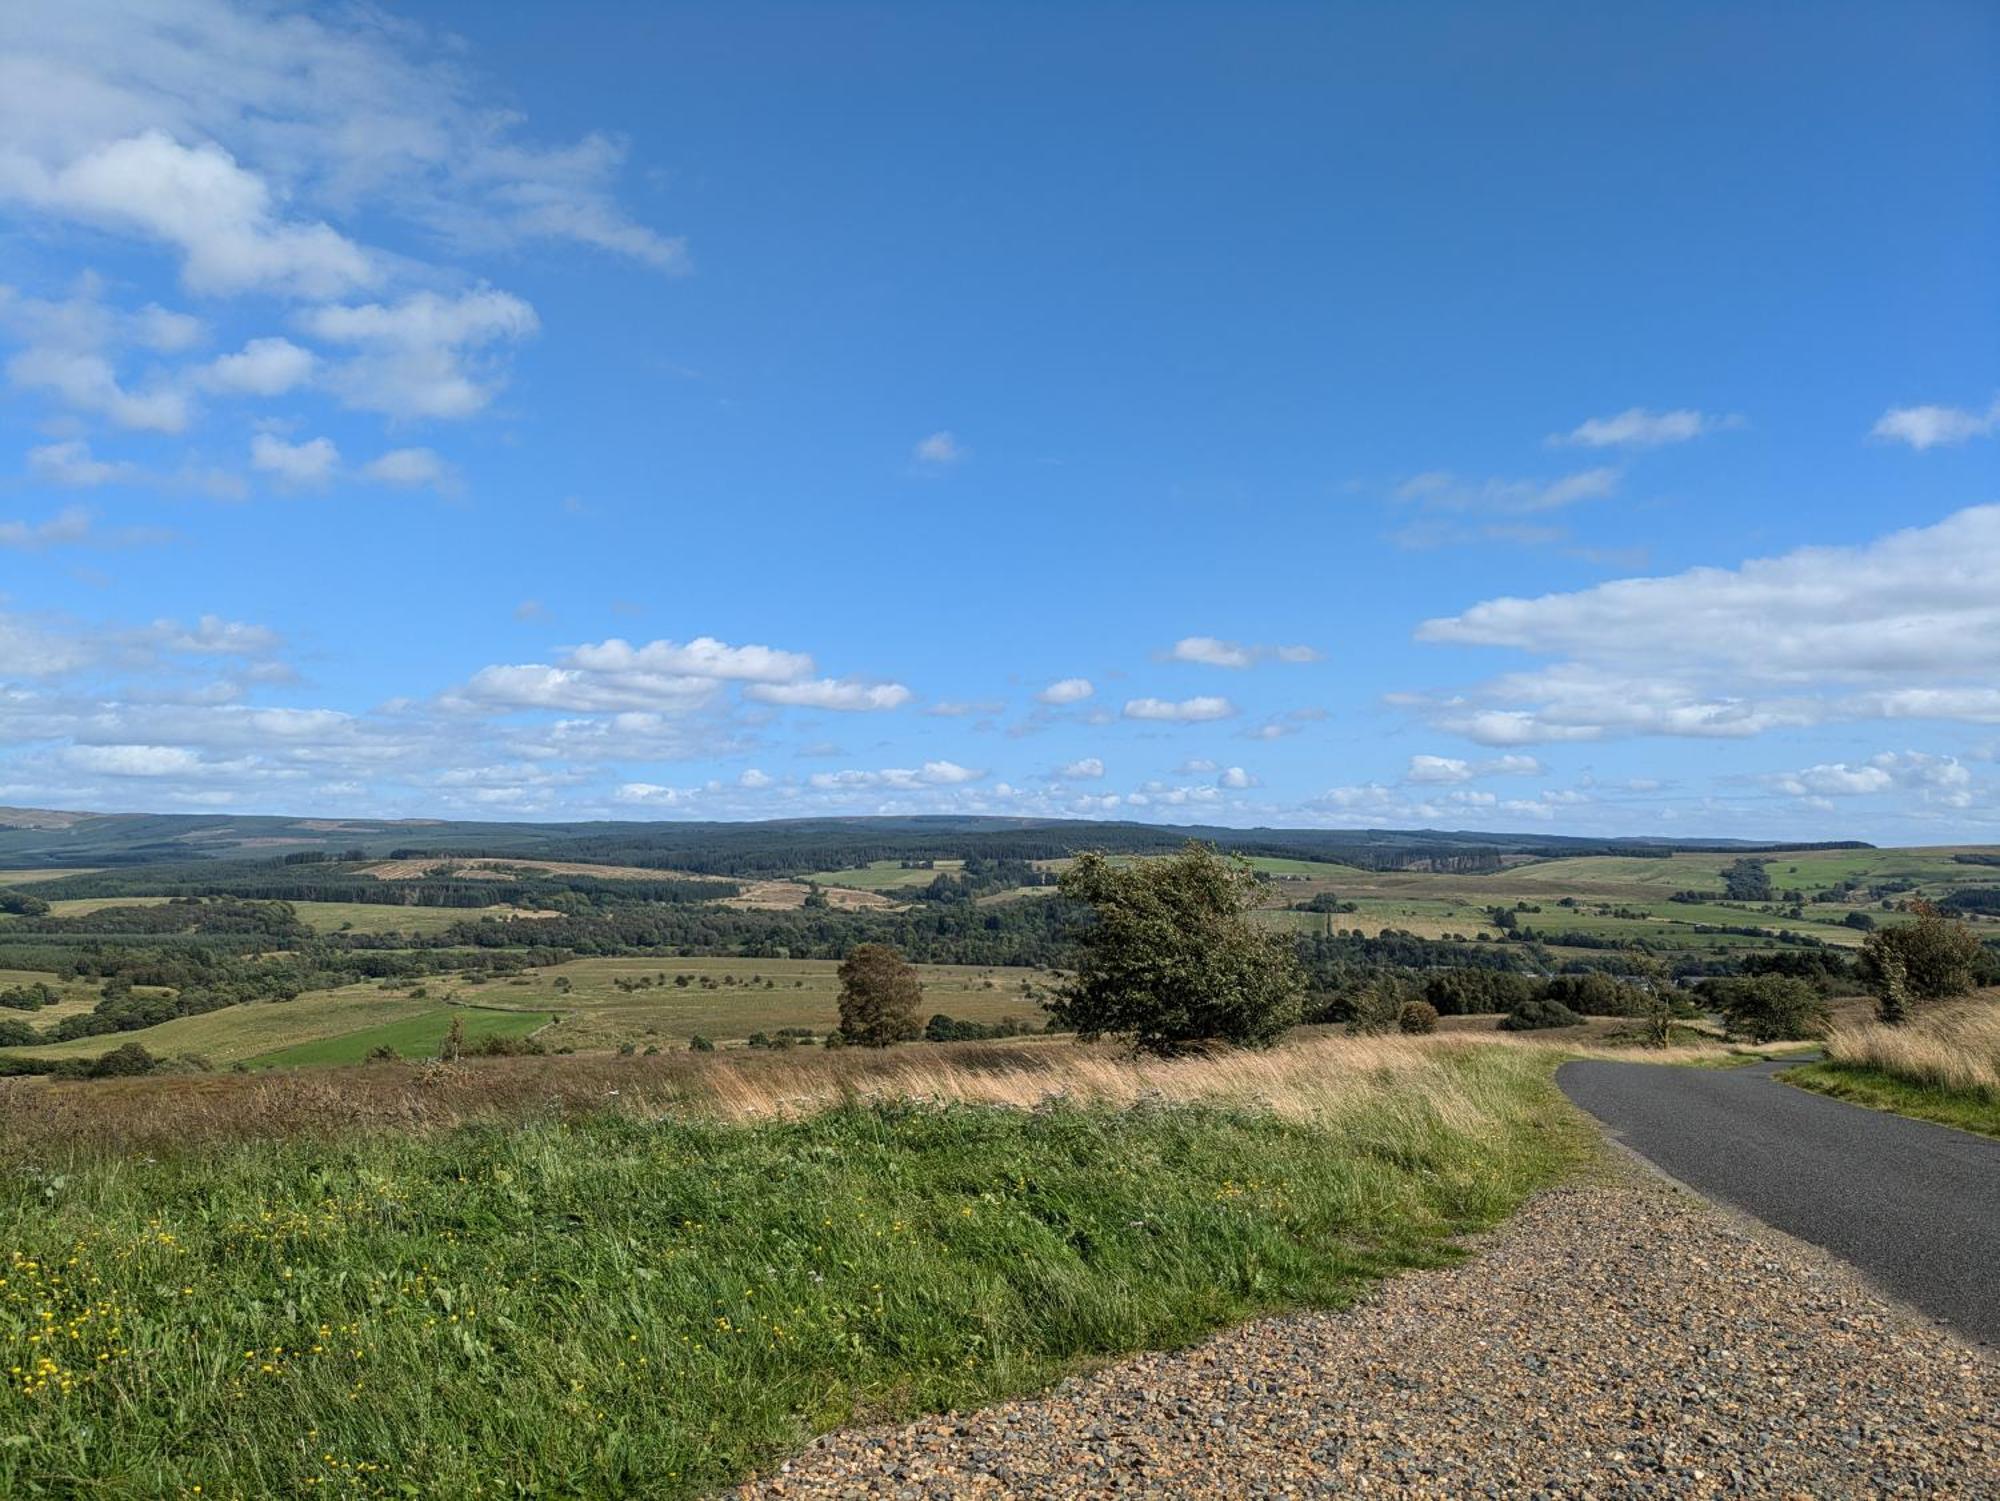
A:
(1617, 1338)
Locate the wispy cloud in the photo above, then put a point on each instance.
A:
(1636, 427)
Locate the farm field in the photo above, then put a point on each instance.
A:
(887, 875)
(378, 917)
(417, 1036)
(726, 1000)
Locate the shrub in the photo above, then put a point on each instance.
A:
(17, 1034)
(700, 1044)
(1930, 959)
(123, 1062)
(879, 997)
(496, 1046)
(1375, 1006)
(1770, 1008)
(1597, 994)
(1172, 958)
(1417, 1019)
(383, 1054)
(1539, 1015)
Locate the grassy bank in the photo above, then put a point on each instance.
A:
(1965, 1109)
(654, 1300)
(1943, 1067)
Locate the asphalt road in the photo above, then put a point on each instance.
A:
(1915, 1206)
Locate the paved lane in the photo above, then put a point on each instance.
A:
(1915, 1206)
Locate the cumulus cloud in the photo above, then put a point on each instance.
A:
(427, 355)
(1636, 427)
(71, 524)
(1209, 651)
(1446, 769)
(704, 656)
(1089, 768)
(939, 451)
(1936, 426)
(298, 466)
(930, 774)
(72, 464)
(263, 367)
(1235, 779)
(411, 468)
(1185, 711)
(1066, 691)
(1942, 780)
(1907, 626)
(848, 695)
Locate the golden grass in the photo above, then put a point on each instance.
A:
(1955, 1048)
(1319, 1078)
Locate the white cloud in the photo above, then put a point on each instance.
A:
(756, 780)
(1907, 626)
(1447, 769)
(72, 464)
(1236, 779)
(200, 201)
(263, 367)
(844, 694)
(1066, 691)
(1438, 769)
(428, 355)
(409, 468)
(69, 525)
(534, 685)
(702, 657)
(939, 451)
(1439, 490)
(88, 381)
(1635, 427)
(1186, 711)
(1089, 768)
(209, 125)
(133, 760)
(1934, 426)
(1209, 651)
(1196, 766)
(1940, 780)
(302, 466)
(930, 774)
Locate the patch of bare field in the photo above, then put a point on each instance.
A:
(498, 868)
(1322, 1075)
(783, 896)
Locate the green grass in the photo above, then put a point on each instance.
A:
(413, 1037)
(1859, 1085)
(613, 1308)
(885, 875)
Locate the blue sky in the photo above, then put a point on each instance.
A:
(1490, 416)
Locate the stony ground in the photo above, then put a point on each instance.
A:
(1618, 1338)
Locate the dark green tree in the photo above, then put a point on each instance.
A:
(1172, 960)
(880, 996)
(1937, 959)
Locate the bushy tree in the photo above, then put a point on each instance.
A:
(1771, 1008)
(1930, 959)
(880, 996)
(1597, 994)
(1417, 1019)
(1376, 1005)
(1539, 1015)
(1172, 959)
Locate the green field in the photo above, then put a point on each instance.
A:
(414, 1037)
(743, 996)
(886, 875)
(379, 917)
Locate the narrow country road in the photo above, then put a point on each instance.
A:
(1915, 1206)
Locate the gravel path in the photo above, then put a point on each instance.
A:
(1617, 1338)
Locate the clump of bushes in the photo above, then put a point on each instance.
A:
(1537, 1014)
(1769, 1008)
(1417, 1019)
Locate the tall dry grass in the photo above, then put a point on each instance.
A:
(1957, 1048)
(1315, 1078)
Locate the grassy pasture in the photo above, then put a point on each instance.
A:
(885, 875)
(595, 1013)
(632, 1304)
(376, 917)
(417, 1036)
(30, 877)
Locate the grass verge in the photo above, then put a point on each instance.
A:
(654, 1304)
(1967, 1109)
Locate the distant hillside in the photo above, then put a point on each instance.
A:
(40, 839)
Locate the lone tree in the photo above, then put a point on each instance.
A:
(880, 996)
(1931, 959)
(1172, 960)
